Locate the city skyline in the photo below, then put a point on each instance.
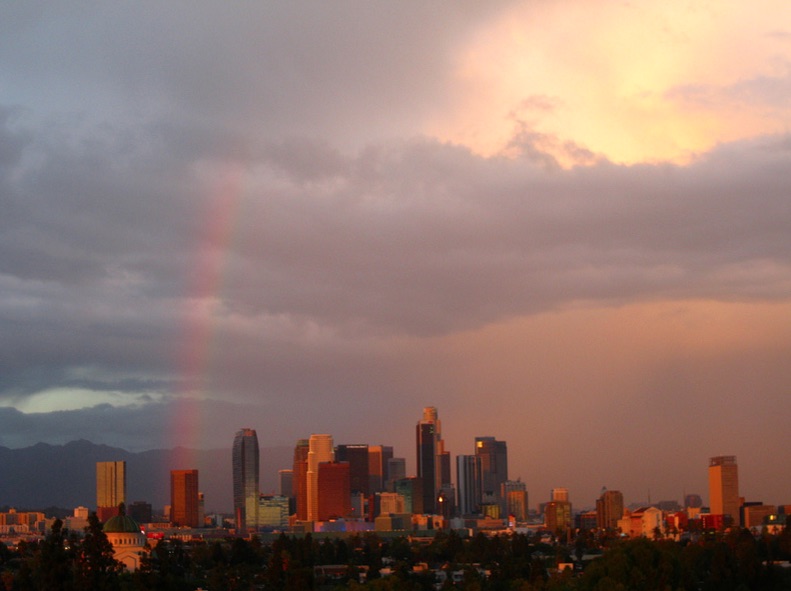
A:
(564, 224)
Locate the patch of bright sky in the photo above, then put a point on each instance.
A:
(621, 79)
(60, 399)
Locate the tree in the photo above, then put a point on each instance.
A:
(51, 562)
(95, 568)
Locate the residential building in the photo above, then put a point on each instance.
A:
(644, 522)
(609, 509)
(557, 516)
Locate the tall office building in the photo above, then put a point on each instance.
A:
(559, 494)
(286, 478)
(184, 498)
(609, 509)
(320, 449)
(301, 478)
(494, 467)
(557, 516)
(110, 486)
(396, 470)
(412, 490)
(378, 475)
(335, 493)
(514, 494)
(245, 479)
(433, 466)
(468, 481)
(724, 487)
(357, 456)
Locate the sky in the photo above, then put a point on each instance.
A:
(566, 225)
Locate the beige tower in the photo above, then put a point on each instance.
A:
(110, 484)
(320, 449)
(724, 487)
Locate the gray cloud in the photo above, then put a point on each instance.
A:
(240, 208)
(403, 238)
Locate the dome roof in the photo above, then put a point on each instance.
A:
(121, 524)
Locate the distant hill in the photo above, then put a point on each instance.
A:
(46, 475)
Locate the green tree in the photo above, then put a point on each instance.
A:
(95, 568)
(51, 563)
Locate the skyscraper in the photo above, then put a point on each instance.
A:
(110, 488)
(378, 475)
(514, 493)
(494, 467)
(184, 500)
(429, 456)
(557, 516)
(358, 457)
(396, 470)
(724, 486)
(609, 509)
(468, 481)
(301, 478)
(245, 478)
(412, 490)
(335, 492)
(286, 478)
(320, 449)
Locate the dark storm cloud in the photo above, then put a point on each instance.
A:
(403, 238)
(134, 428)
(428, 237)
(236, 209)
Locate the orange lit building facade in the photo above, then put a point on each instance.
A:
(184, 501)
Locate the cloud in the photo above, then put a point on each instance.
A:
(405, 238)
(269, 214)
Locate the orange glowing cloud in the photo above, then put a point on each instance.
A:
(635, 83)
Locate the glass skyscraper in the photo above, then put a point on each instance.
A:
(494, 466)
(245, 479)
(429, 456)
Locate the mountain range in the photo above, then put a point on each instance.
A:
(45, 475)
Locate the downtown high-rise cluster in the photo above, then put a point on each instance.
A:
(352, 482)
(360, 486)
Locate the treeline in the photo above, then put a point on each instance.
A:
(735, 561)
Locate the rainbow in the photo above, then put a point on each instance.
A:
(204, 290)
